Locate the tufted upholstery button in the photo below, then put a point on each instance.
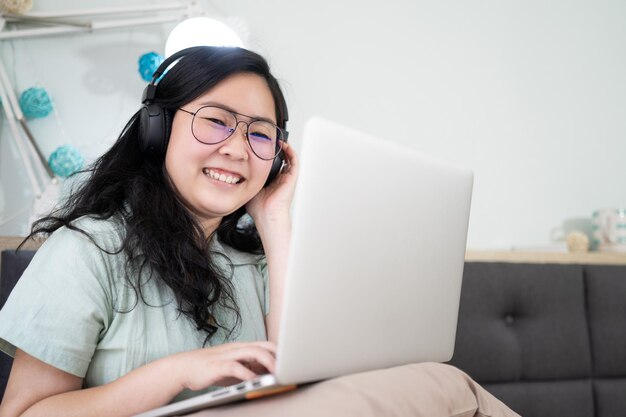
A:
(509, 319)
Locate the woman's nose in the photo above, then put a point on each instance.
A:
(236, 145)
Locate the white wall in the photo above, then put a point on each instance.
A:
(94, 82)
(531, 95)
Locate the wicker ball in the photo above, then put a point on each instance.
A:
(16, 6)
(577, 242)
(65, 161)
(148, 63)
(35, 103)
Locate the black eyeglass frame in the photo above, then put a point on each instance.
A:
(279, 146)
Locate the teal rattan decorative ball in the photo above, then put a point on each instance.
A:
(148, 63)
(35, 103)
(65, 161)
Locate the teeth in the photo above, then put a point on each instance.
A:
(228, 179)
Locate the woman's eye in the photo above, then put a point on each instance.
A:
(259, 135)
(216, 121)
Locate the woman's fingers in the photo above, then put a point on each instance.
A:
(227, 364)
(251, 354)
(236, 370)
(291, 160)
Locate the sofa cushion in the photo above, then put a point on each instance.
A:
(522, 322)
(523, 334)
(606, 299)
(609, 396)
(572, 398)
(606, 302)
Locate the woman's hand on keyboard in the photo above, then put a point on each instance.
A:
(223, 365)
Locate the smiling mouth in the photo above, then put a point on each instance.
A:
(228, 179)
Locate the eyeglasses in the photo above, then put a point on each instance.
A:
(212, 125)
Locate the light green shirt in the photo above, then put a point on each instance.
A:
(73, 309)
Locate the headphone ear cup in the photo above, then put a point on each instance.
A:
(144, 120)
(277, 164)
(167, 128)
(154, 128)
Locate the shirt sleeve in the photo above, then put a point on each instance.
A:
(61, 305)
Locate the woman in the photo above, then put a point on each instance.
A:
(151, 260)
(152, 282)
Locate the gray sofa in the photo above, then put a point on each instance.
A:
(548, 340)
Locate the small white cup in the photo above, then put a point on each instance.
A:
(578, 224)
(616, 227)
(609, 227)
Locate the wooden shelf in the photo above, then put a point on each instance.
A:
(598, 258)
(12, 242)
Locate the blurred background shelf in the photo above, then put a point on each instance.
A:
(12, 242)
(602, 258)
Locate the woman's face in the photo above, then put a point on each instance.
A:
(192, 166)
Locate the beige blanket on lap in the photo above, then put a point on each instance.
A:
(427, 389)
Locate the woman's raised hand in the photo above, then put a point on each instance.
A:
(273, 202)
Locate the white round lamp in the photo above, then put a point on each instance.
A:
(200, 31)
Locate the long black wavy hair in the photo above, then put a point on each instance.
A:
(161, 235)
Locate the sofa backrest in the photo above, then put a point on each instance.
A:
(12, 265)
(546, 339)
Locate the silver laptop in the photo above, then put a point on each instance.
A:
(375, 266)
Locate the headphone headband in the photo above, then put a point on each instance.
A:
(150, 91)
